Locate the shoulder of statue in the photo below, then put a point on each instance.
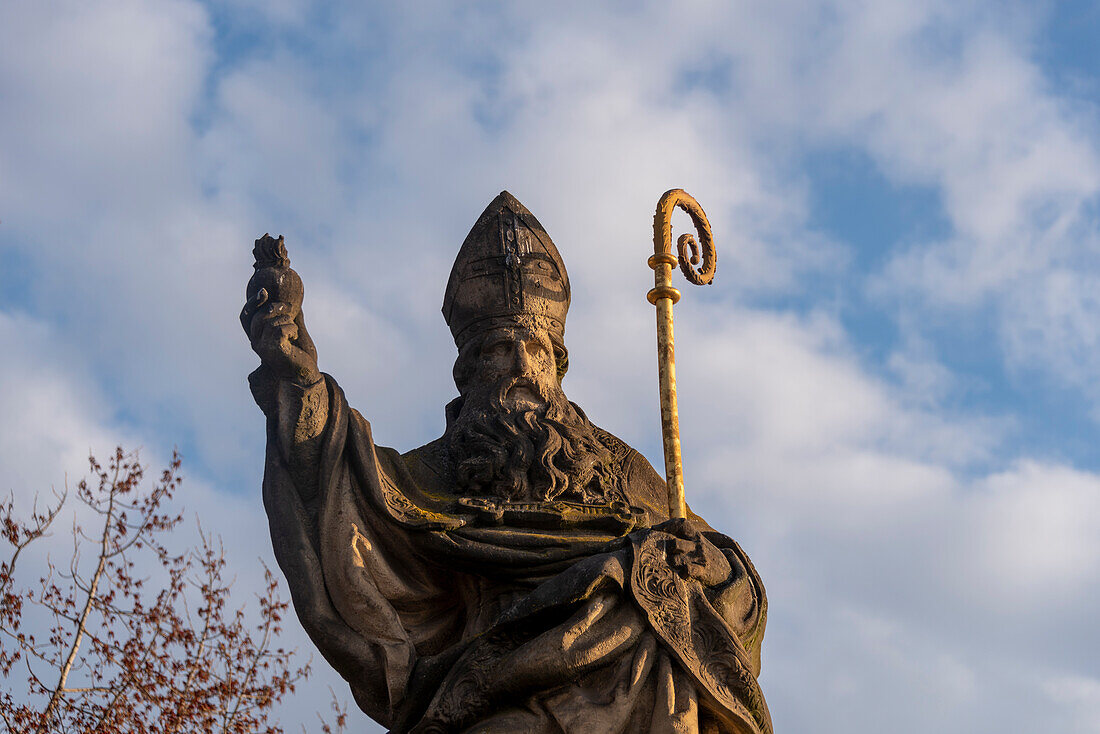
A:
(431, 463)
(641, 483)
(629, 462)
(619, 448)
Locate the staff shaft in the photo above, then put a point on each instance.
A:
(666, 371)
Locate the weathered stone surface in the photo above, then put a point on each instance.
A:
(520, 573)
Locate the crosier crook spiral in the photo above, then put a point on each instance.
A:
(663, 296)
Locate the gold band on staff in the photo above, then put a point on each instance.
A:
(663, 296)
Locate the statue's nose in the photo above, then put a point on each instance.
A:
(522, 363)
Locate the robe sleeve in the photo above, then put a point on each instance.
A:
(357, 586)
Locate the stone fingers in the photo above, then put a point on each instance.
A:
(272, 319)
(251, 306)
(303, 339)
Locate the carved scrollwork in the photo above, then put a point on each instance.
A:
(661, 593)
(462, 699)
(403, 509)
(691, 629)
(725, 671)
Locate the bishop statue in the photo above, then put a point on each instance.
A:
(521, 572)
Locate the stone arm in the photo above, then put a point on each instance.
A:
(353, 581)
(297, 414)
(288, 386)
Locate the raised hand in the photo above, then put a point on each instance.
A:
(277, 331)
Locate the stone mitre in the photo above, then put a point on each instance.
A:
(507, 270)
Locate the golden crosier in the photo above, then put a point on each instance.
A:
(663, 296)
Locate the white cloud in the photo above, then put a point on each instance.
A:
(1036, 533)
(1082, 694)
(100, 96)
(52, 417)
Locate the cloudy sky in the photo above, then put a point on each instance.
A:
(889, 395)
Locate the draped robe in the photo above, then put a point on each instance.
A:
(451, 614)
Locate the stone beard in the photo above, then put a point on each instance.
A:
(527, 453)
(519, 573)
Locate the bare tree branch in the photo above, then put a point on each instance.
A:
(146, 641)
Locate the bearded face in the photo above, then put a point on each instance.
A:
(517, 437)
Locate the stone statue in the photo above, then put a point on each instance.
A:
(520, 573)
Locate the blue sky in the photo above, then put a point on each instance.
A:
(888, 396)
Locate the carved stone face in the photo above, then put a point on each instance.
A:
(523, 355)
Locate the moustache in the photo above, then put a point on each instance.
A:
(508, 384)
